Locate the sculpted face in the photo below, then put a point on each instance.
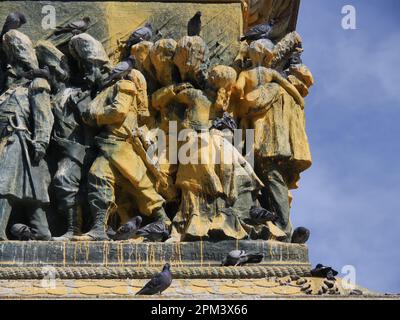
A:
(161, 56)
(49, 55)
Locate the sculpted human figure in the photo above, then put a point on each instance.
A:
(168, 112)
(25, 124)
(302, 79)
(269, 104)
(218, 185)
(120, 165)
(70, 137)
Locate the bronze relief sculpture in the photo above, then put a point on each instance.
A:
(78, 135)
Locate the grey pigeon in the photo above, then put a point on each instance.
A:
(260, 31)
(300, 235)
(155, 231)
(194, 25)
(110, 232)
(13, 21)
(121, 70)
(261, 216)
(241, 257)
(142, 34)
(75, 27)
(159, 283)
(321, 271)
(129, 229)
(295, 59)
(21, 232)
(226, 122)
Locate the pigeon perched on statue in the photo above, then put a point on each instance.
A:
(129, 229)
(194, 25)
(321, 271)
(241, 257)
(159, 283)
(142, 34)
(261, 216)
(226, 122)
(13, 21)
(154, 232)
(75, 27)
(260, 31)
(300, 235)
(110, 232)
(121, 70)
(21, 231)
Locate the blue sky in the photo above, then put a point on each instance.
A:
(350, 198)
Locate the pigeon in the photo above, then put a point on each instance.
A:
(261, 216)
(13, 21)
(295, 59)
(110, 232)
(121, 70)
(226, 122)
(321, 271)
(159, 283)
(241, 257)
(260, 31)
(155, 231)
(194, 25)
(21, 232)
(300, 235)
(129, 229)
(142, 34)
(75, 27)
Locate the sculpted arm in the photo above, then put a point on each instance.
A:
(241, 84)
(43, 119)
(162, 97)
(100, 114)
(291, 89)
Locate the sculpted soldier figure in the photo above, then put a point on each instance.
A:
(120, 163)
(269, 104)
(25, 124)
(70, 138)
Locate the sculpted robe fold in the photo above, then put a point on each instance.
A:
(32, 105)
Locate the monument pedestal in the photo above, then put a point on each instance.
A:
(107, 270)
(120, 260)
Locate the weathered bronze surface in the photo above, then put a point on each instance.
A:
(79, 112)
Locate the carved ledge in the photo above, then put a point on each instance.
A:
(128, 254)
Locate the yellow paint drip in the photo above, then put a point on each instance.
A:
(64, 253)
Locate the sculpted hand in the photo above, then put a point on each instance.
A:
(39, 151)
